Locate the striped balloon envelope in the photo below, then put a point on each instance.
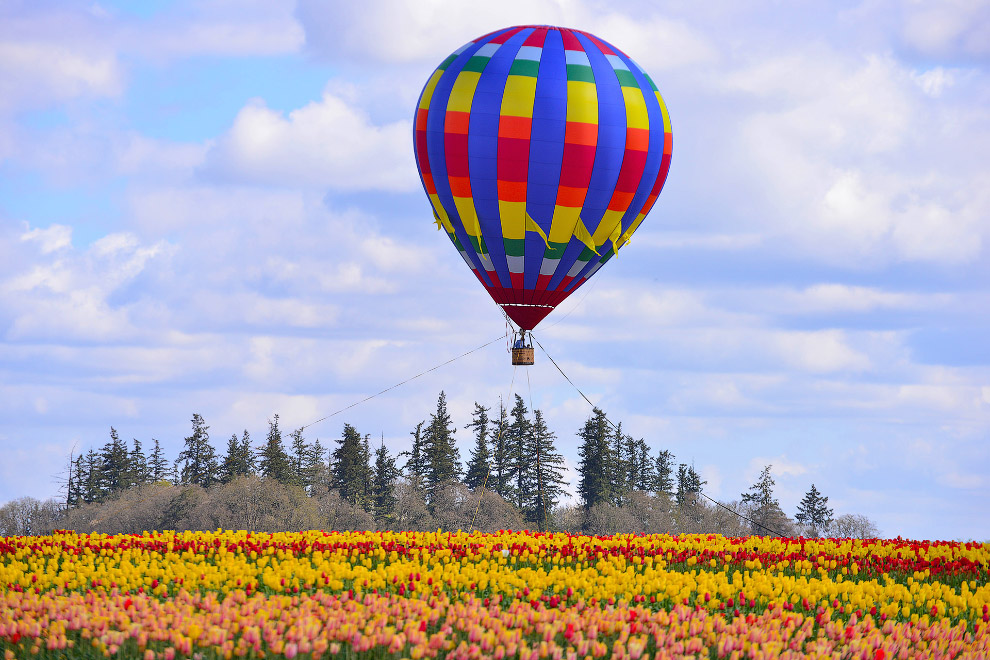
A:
(541, 150)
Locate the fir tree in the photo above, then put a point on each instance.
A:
(443, 459)
(237, 460)
(273, 462)
(548, 472)
(114, 465)
(518, 437)
(663, 473)
(298, 457)
(416, 464)
(382, 484)
(157, 464)
(349, 469)
(92, 480)
(689, 485)
(813, 511)
(480, 464)
(315, 469)
(595, 468)
(74, 496)
(503, 463)
(765, 509)
(644, 467)
(199, 463)
(138, 464)
(617, 467)
(247, 454)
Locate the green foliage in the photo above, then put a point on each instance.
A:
(596, 467)
(350, 471)
(273, 461)
(480, 464)
(441, 454)
(663, 473)
(813, 511)
(382, 487)
(199, 463)
(546, 485)
(503, 462)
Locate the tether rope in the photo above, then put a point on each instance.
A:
(412, 378)
(566, 377)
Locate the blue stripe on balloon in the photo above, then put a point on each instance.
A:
(608, 154)
(546, 151)
(654, 153)
(435, 149)
(483, 148)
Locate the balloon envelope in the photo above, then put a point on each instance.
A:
(541, 150)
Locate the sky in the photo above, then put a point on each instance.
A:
(213, 207)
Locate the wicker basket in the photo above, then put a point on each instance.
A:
(523, 356)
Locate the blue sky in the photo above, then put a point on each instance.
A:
(212, 207)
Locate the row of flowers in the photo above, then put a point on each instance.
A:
(387, 625)
(529, 595)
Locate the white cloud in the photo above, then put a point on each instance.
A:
(395, 31)
(35, 73)
(217, 28)
(833, 148)
(934, 81)
(948, 28)
(829, 298)
(52, 239)
(68, 296)
(327, 144)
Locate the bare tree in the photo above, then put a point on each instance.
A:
(455, 506)
(653, 514)
(568, 518)
(411, 513)
(29, 517)
(337, 513)
(605, 519)
(853, 526)
(257, 504)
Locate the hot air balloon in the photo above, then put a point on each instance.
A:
(541, 150)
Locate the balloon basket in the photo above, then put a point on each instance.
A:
(523, 356)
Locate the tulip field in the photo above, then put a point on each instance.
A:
(523, 595)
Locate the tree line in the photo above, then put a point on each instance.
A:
(513, 478)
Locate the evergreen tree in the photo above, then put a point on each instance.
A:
(689, 485)
(74, 496)
(314, 466)
(247, 454)
(765, 509)
(663, 473)
(518, 437)
(237, 460)
(114, 465)
(273, 462)
(138, 464)
(298, 457)
(548, 473)
(617, 467)
(443, 459)
(813, 511)
(595, 468)
(503, 463)
(416, 464)
(92, 479)
(382, 484)
(157, 464)
(199, 463)
(349, 469)
(480, 464)
(644, 467)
